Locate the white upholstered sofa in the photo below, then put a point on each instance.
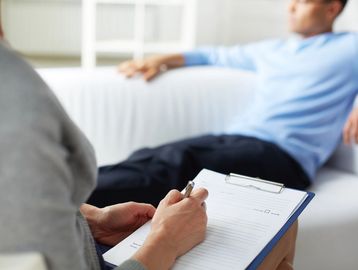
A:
(120, 115)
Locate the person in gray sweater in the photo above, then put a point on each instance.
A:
(48, 169)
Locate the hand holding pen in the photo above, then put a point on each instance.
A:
(188, 189)
(178, 225)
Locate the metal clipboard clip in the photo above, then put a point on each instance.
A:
(254, 183)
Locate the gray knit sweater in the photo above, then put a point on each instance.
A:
(47, 170)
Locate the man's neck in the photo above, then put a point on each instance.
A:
(309, 35)
(1, 31)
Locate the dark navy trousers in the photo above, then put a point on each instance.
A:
(148, 174)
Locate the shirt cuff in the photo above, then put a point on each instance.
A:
(194, 58)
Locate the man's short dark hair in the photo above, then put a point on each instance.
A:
(344, 2)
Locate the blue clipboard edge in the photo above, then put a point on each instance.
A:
(266, 250)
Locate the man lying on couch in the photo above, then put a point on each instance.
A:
(306, 89)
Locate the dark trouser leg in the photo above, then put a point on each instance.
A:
(149, 174)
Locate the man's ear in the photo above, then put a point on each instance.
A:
(334, 9)
(1, 31)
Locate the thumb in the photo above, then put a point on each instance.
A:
(145, 209)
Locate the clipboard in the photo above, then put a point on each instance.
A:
(272, 187)
(267, 249)
(257, 185)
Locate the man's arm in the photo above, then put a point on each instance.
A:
(241, 57)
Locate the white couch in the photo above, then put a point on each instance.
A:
(120, 116)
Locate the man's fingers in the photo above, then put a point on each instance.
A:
(354, 132)
(347, 132)
(125, 66)
(150, 74)
(121, 68)
(129, 68)
(352, 129)
(142, 67)
(130, 72)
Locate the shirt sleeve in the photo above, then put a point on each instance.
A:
(242, 57)
(131, 265)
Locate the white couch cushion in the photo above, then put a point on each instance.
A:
(120, 115)
(328, 237)
(345, 158)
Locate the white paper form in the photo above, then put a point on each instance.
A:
(241, 221)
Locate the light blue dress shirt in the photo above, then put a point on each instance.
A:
(306, 90)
